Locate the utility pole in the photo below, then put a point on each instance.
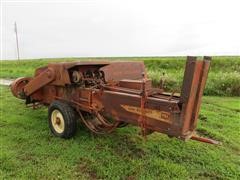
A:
(15, 27)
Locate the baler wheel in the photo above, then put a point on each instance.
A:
(62, 119)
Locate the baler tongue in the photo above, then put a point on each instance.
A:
(205, 140)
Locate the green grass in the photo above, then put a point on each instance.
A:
(223, 80)
(30, 151)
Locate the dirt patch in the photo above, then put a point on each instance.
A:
(125, 146)
(131, 178)
(6, 82)
(202, 117)
(237, 110)
(26, 157)
(84, 167)
(210, 175)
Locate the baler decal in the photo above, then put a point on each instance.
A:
(150, 113)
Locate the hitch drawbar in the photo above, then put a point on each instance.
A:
(109, 95)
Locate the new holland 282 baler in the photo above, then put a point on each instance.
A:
(108, 95)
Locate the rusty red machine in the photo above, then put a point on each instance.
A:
(108, 95)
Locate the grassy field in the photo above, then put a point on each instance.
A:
(223, 80)
(29, 150)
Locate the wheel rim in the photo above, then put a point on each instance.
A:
(57, 121)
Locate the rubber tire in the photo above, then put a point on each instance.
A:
(69, 116)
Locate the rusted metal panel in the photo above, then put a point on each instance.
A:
(192, 90)
(117, 71)
(198, 100)
(39, 81)
(68, 65)
(135, 84)
(189, 92)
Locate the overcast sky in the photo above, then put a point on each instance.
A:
(120, 28)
